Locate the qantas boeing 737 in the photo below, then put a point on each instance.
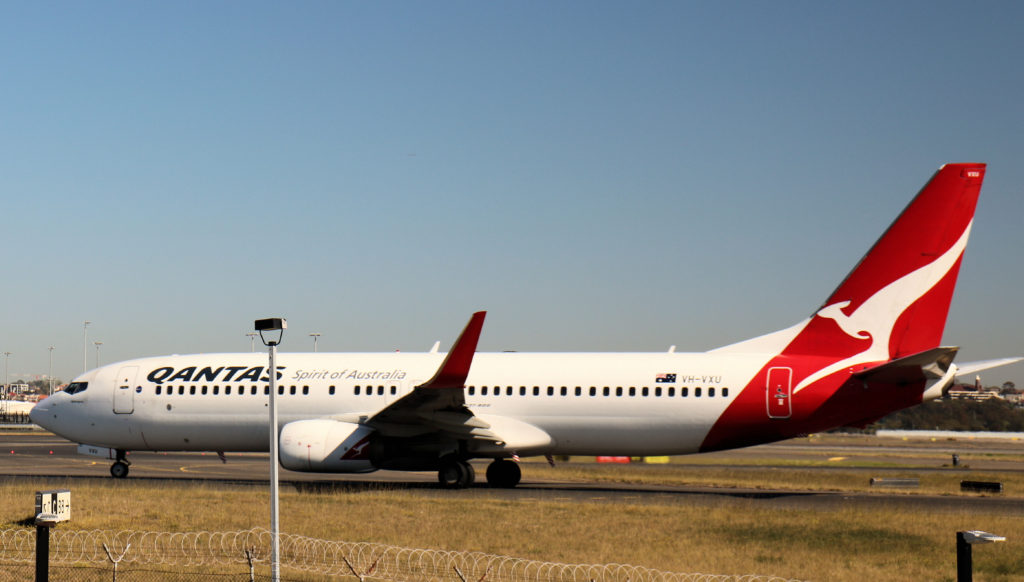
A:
(870, 349)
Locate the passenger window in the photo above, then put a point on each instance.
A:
(696, 392)
(711, 392)
(291, 390)
(684, 391)
(657, 391)
(606, 391)
(191, 390)
(671, 392)
(305, 390)
(725, 392)
(632, 390)
(158, 393)
(380, 391)
(536, 390)
(579, 391)
(204, 390)
(522, 390)
(330, 390)
(394, 390)
(472, 390)
(593, 390)
(618, 390)
(356, 390)
(551, 390)
(508, 392)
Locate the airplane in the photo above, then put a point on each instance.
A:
(873, 347)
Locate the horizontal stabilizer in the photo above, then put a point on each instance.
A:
(930, 364)
(973, 367)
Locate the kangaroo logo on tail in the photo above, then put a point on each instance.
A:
(875, 318)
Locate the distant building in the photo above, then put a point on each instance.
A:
(968, 392)
(13, 389)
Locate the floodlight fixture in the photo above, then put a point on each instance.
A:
(981, 537)
(272, 324)
(964, 560)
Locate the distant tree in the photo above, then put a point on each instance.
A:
(43, 385)
(964, 415)
(1008, 388)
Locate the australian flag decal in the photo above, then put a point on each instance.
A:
(665, 378)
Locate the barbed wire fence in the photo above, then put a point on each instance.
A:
(245, 554)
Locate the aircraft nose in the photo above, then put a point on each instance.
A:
(41, 414)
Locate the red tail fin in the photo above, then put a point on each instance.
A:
(898, 296)
(838, 366)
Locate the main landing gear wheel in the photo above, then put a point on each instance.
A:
(455, 474)
(502, 473)
(119, 470)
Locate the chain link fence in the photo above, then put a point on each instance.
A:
(136, 556)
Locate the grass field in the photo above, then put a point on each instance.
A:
(730, 536)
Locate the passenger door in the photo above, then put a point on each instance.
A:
(778, 392)
(124, 393)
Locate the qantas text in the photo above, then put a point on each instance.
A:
(211, 374)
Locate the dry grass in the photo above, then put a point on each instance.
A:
(732, 537)
(835, 477)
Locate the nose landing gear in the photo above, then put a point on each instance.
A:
(119, 470)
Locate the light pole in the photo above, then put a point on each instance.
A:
(252, 340)
(49, 373)
(7, 357)
(85, 346)
(964, 541)
(315, 337)
(98, 344)
(278, 325)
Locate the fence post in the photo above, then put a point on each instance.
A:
(119, 558)
(250, 556)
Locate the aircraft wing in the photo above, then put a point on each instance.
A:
(439, 404)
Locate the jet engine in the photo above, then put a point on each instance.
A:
(326, 446)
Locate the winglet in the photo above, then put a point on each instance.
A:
(455, 368)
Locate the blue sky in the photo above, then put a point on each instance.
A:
(597, 175)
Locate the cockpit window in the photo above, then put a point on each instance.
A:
(76, 387)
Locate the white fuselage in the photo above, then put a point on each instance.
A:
(589, 403)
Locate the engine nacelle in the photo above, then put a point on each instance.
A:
(326, 446)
